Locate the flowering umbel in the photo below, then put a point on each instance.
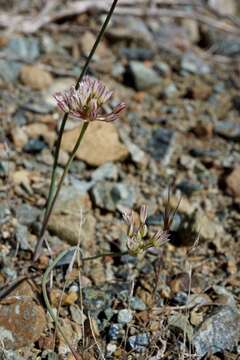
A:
(86, 102)
(138, 239)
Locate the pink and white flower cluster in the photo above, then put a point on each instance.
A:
(86, 102)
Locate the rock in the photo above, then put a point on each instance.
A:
(218, 332)
(22, 237)
(5, 213)
(223, 7)
(100, 144)
(24, 48)
(233, 182)
(191, 63)
(138, 342)
(110, 196)
(66, 217)
(107, 171)
(9, 70)
(137, 304)
(19, 137)
(140, 76)
(140, 54)
(124, 316)
(180, 321)
(27, 214)
(9, 355)
(22, 320)
(35, 77)
(189, 187)
(77, 314)
(228, 130)
(203, 129)
(163, 69)
(73, 332)
(34, 146)
(170, 90)
(160, 146)
(115, 331)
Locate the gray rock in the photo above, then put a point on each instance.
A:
(140, 54)
(115, 331)
(180, 321)
(4, 213)
(228, 130)
(38, 106)
(138, 342)
(9, 355)
(189, 187)
(77, 314)
(27, 214)
(24, 48)
(22, 237)
(170, 90)
(34, 146)
(140, 76)
(110, 196)
(191, 63)
(125, 316)
(137, 304)
(107, 171)
(220, 331)
(9, 70)
(160, 146)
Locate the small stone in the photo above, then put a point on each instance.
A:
(140, 76)
(77, 314)
(138, 342)
(111, 348)
(106, 171)
(228, 8)
(35, 77)
(100, 144)
(27, 214)
(203, 129)
(218, 332)
(125, 316)
(109, 196)
(70, 298)
(34, 146)
(66, 218)
(24, 48)
(180, 321)
(188, 187)
(19, 137)
(193, 64)
(140, 54)
(115, 331)
(21, 321)
(22, 237)
(160, 145)
(9, 355)
(228, 130)
(137, 304)
(233, 181)
(9, 70)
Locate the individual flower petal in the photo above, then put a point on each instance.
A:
(160, 238)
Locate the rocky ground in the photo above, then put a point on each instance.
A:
(181, 128)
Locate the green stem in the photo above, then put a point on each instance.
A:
(65, 171)
(55, 163)
(44, 288)
(49, 205)
(98, 39)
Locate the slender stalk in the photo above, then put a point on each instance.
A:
(55, 163)
(98, 39)
(49, 206)
(45, 295)
(65, 171)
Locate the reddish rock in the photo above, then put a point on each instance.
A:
(22, 320)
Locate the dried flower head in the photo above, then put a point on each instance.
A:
(138, 240)
(86, 102)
